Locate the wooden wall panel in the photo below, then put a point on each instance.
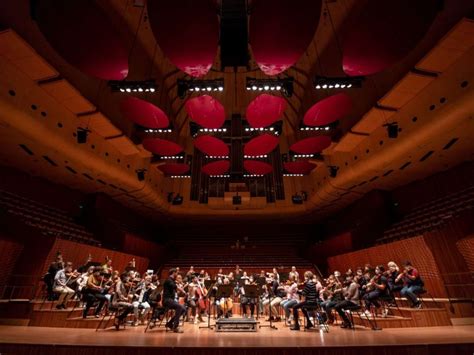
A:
(466, 248)
(414, 249)
(135, 245)
(10, 252)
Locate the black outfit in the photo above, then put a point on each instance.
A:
(311, 296)
(91, 296)
(169, 292)
(371, 298)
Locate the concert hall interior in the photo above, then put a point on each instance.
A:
(237, 177)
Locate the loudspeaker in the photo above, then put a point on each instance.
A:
(236, 200)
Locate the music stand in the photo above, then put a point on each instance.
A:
(251, 291)
(225, 291)
(271, 297)
(208, 284)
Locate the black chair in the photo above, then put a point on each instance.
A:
(358, 310)
(319, 317)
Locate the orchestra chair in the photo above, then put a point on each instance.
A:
(155, 315)
(318, 319)
(113, 310)
(359, 311)
(385, 302)
(429, 295)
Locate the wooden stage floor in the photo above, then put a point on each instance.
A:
(37, 340)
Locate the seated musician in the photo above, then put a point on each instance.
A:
(53, 269)
(292, 297)
(311, 299)
(351, 299)
(224, 305)
(191, 297)
(376, 288)
(107, 267)
(94, 292)
(190, 274)
(244, 300)
(265, 294)
(277, 293)
(60, 286)
(140, 305)
(294, 273)
(334, 295)
(412, 284)
(392, 274)
(169, 302)
(120, 300)
(361, 281)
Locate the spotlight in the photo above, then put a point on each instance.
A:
(140, 174)
(285, 85)
(132, 86)
(392, 129)
(198, 85)
(321, 82)
(81, 135)
(333, 170)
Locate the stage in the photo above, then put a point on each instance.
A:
(430, 340)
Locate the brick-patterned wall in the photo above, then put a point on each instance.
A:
(413, 249)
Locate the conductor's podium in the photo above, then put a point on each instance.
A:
(236, 325)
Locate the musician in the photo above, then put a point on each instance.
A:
(190, 274)
(121, 300)
(244, 300)
(107, 267)
(191, 298)
(237, 273)
(94, 292)
(412, 284)
(140, 300)
(220, 274)
(60, 286)
(276, 275)
(351, 299)
(392, 273)
(311, 299)
(277, 291)
(292, 297)
(169, 292)
(295, 274)
(377, 287)
(53, 269)
(334, 295)
(224, 304)
(263, 298)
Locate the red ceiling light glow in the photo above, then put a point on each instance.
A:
(211, 146)
(143, 113)
(174, 168)
(328, 110)
(256, 167)
(261, 145)
(299, 167)
(216, 168)
(311, 145)
(162, 146)
(264, 110)
(206, 111)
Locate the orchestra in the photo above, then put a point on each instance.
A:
(196, 295)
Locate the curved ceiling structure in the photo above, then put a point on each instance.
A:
(264, 110)
(187, 31)
(257, 167)
(94, 48)
(384, 33)
(280, 31)
(206, 111)
(216, 168)
(311, 145)
(328, 110)
(143, 113)
(162, 146)
(174, 168)
(299, 167)
(211, 146)
(261, 145)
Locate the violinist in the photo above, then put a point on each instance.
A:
(311, 299)
(376, 288)
(292, 297)
(244, 300)
(412, 284)
(94, 292)
(392, 275)
(107, 266)
(278, 293)
(225, 305)
(334, 295)
(191, 297)
(120, 299)
(351, 299)
(294, 273)
(60, 286)
(53, 269)
(140, 305)
(169, 294)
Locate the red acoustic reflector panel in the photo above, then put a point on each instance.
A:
(385, 33)
(329, 110)
(264, 110)
(257, 167)
(261, 145)
(161, 146)
(174, 168)
(187, 32)
(216, 168)
(211, 146)
(299, 167)
(143, 113)
(280, 32)
(311, 145)
(206, 111)
(94, 47)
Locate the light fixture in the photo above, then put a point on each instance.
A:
(333, 169)
(320, 128)
(140, 174)
(81, 135)
(293, 175)
(285, 85)
(392, 129)
(220, 176)
(253, 175)
(199, 85)
(324, 82)
(132, 86)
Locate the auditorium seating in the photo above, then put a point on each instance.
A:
(431, 215)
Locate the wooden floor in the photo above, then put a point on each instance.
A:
(193, 337)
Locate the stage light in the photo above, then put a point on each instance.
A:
(198, 85)
(333, 170)
(321, 82)
(392, 129)
(132, 86)
(81, 135)
(285, 85)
